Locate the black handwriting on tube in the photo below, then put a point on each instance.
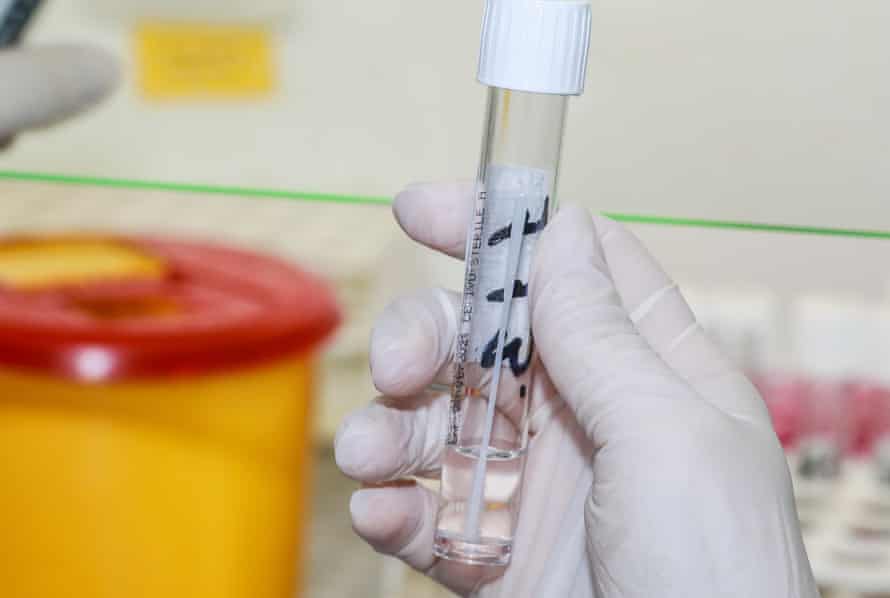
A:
(511, 354)
(530, 228)
(519, 290)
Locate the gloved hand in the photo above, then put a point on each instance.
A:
(41, 86)
(656, 474)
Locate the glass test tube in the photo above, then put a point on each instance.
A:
(533, 56)
(493, 382)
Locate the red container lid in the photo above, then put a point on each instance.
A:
(103, 309)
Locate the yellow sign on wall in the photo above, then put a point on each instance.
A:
(179, 60)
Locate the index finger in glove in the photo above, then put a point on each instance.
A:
(48, 84)
(436, 215)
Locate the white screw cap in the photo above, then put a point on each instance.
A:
(535, 45)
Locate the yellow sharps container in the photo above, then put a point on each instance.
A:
(154, 419)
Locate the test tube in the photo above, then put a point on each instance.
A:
(533, 57)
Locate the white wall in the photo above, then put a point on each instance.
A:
(770, 110)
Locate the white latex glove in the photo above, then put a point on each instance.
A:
(41, 86)
(662, 478)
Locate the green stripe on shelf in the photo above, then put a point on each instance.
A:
(751, 226)
(260, 193)
(63, 179)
